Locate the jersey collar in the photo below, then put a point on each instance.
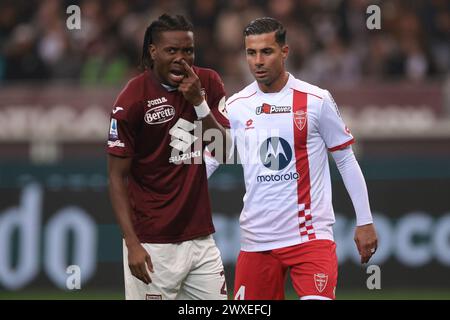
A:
(156, 82)
(286, 87)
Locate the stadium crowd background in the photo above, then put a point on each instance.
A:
(329, 39)
(56, 90)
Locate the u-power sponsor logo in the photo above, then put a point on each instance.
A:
(272, 109)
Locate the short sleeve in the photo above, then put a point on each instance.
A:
(234, 131)
(122, 128)
(210, 162)
(331, 126)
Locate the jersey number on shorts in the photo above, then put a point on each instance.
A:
(223, 290)
(240, 294)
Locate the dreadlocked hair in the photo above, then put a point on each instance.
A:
(164, 23)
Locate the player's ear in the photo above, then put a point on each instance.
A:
(152, 51)
(284, 51)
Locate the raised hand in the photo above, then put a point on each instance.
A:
(190, 86)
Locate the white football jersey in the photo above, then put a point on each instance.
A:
(282, 141)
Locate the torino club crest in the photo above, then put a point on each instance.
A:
(300, 119)
(320, 280)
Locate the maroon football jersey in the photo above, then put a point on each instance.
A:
(170, 201)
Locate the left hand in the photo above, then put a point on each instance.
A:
(190, 86)
(366, 241)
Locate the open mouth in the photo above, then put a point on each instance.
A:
(261, 73)
(176, 75)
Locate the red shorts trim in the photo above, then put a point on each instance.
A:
(313, 269)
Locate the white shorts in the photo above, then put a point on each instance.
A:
(189, 270)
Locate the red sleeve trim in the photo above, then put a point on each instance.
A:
(342, 146)
(242, 98)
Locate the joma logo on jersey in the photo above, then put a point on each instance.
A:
(155, 102)
(272, 109)
(158, 115)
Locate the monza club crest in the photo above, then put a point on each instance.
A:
(300, 119)
(320, 280)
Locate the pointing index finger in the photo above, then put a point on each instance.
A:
(188, 68)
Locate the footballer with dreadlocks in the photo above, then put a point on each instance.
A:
(157, 176)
